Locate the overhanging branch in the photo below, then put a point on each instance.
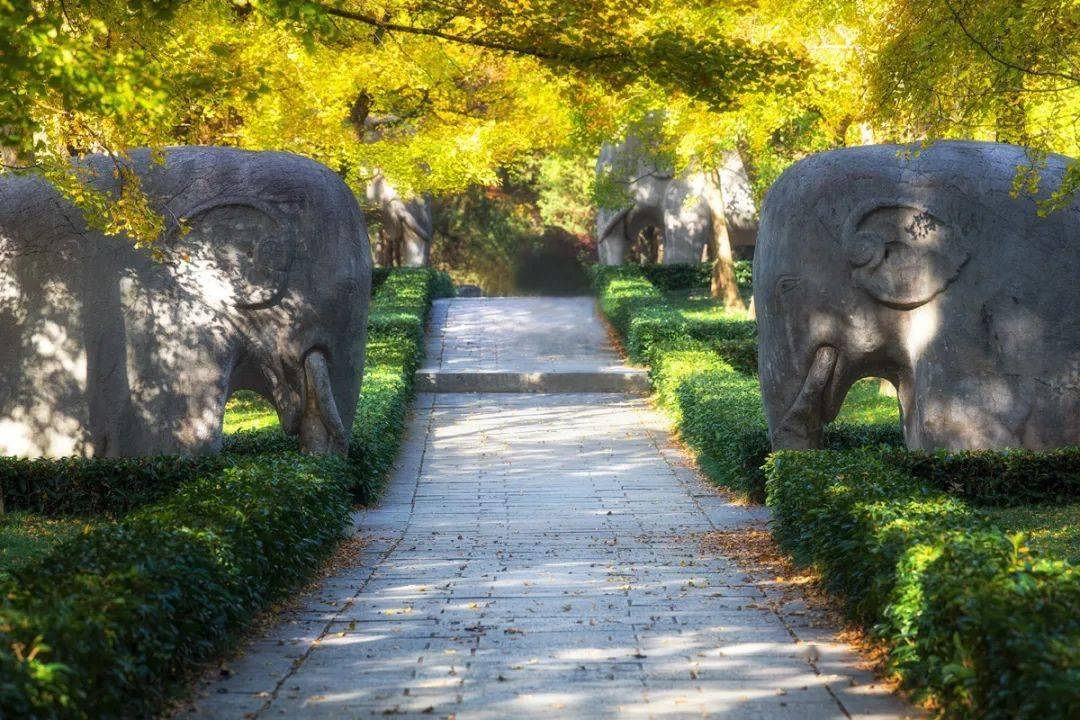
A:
(564, 55)
(1000, 60)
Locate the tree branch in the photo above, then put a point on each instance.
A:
(569, 55)
(1002, 61)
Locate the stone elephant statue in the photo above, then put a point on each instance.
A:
(657, 198)
(407, 224)
(923, 269)
(684, 206)
(106, 351)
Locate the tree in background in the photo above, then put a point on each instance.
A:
(444, 96)
(437, 96)
(1005, 70)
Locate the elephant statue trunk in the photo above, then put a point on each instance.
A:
(800, 423)
(321, 429)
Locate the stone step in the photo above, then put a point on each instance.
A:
(631, 381)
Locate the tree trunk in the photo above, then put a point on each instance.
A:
(723, 286)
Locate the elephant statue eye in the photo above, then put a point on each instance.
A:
(784, 285)
(787, 283)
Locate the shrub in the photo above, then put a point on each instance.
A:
(623, 292)
(101, 486)
(682, 276)
(730, 335)
(970, 615)
(378, 277)
(104, 625)
(693, 275)
(441, 285)
(1000, 478)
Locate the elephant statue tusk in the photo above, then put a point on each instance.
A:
(321, 429)
(801, 427)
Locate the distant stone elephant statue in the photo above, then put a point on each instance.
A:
(685, 206)
(922, 268)
(407, 224)
(105, 351)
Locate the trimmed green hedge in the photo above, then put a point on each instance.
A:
(996, 478)
(106, 624)
(103, 625)
(972, 617)
(692, 275)
(104, 486)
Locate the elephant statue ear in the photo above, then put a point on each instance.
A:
(249, 244)
(902, 254)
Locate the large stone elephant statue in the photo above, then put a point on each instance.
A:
(684, 206)
(922, 268)
(106, 351)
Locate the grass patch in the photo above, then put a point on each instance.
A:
(247, 410)
(866, 405)
(697, 304)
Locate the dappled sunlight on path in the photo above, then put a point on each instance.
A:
(537, 556)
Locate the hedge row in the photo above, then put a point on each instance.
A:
(83, 486)
(107, 623)
(971, 616)
(645, 320)
(692, 275)
(100, 626)
(1014, 477)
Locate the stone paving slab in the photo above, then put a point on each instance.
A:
(523, 345)
(535, 556)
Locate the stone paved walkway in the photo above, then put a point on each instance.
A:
(537, 556)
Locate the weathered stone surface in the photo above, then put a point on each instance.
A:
(921, 268)
(107, 352)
